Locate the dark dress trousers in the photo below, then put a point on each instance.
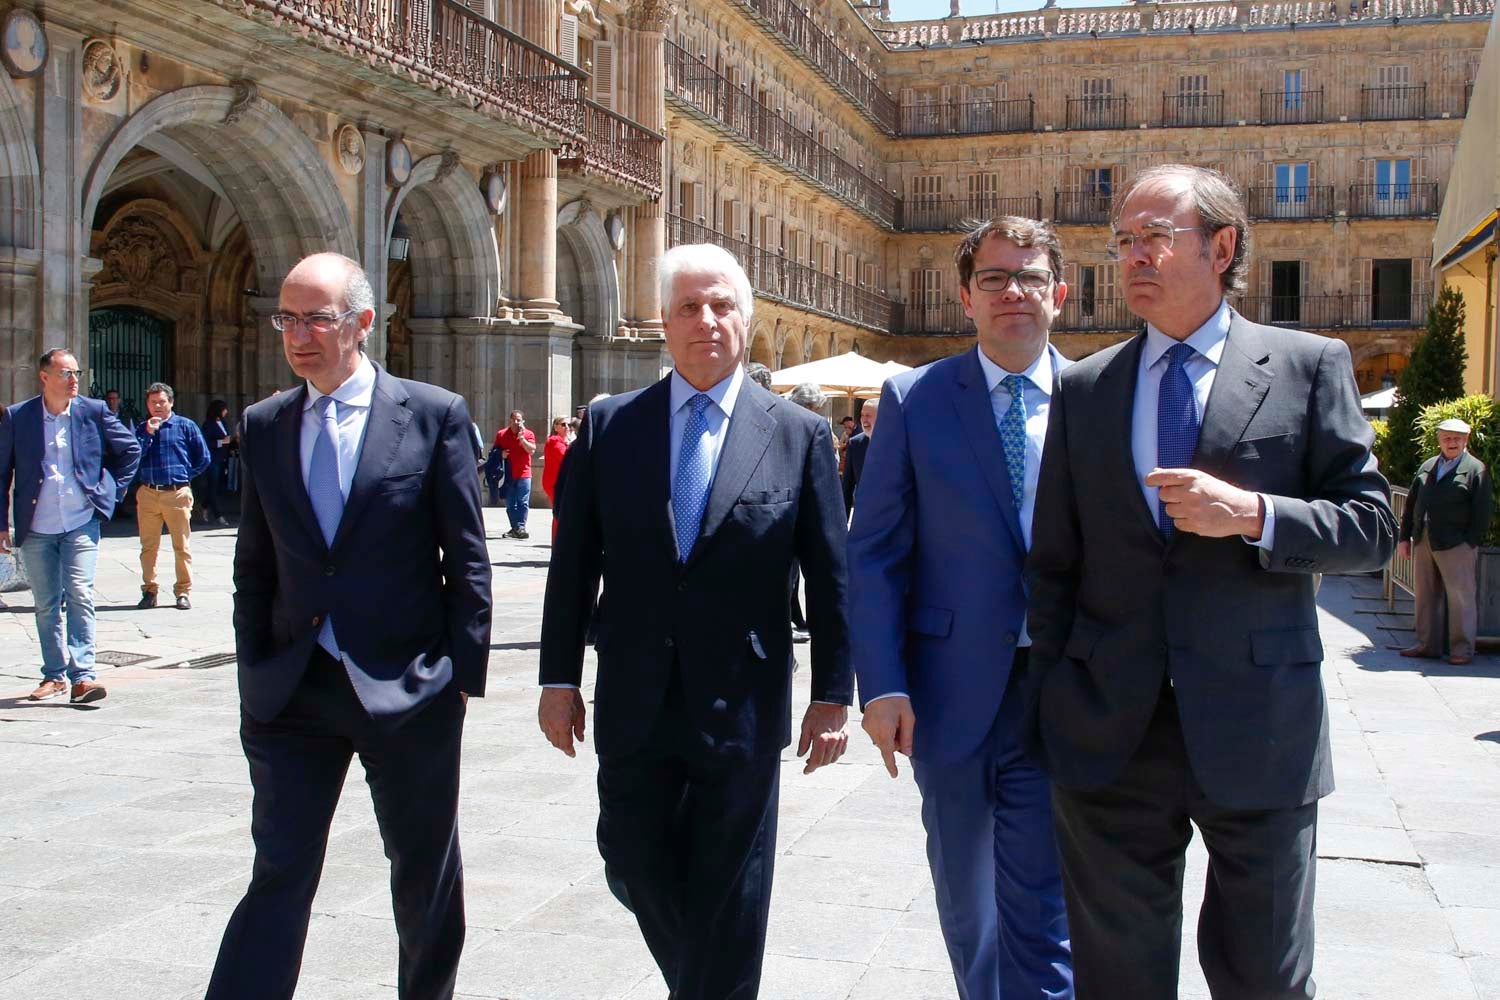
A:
(693, 694)
(407, 581)
(1179, 680)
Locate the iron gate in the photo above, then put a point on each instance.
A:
(128, 350)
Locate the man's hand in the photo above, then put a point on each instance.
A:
(1403, 549)
(152, 425)
(561, 716)
(890, 722)
(823, 734)
(1203, 505)
(5, 541)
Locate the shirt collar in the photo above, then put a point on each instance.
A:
(1207, 340)
(49, 415)
(357, 390)
(1039, 371)
(723, 395)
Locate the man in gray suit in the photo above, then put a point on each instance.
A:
(1195, 479)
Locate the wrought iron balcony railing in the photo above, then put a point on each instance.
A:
(617, 148)
(801, 34)
(1081, 206)
(1333, 312)
(969, 117)
(1186, 110)
(1393, 200)
(961, 214)
(1080, 315)
(948, 319)
(737, 113)
(1097, 112)
(1306, 201)
(445, 44)
(775, 277)
(1291, 107)
(932, 319)
(1393, 103)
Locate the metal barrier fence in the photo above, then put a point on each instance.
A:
(1399, 572)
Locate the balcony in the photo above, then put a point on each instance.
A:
(931, 319)
(1191, 110)
(448, 47)
(934, 215)
(1097, 316)
(782, 280)
(1393, 201)
(734, 112)
(1097, 112)
(1291, 107)
(1381, 104)
(616, 149)
(1333, 312)
(1291, 202)
(969, 117)
(1081, 206)
(796, 29)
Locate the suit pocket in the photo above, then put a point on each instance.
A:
(934, 622)
(762, 498)
(1274, 647)
(401, 483)
(1082, 639)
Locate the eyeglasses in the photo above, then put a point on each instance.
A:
(1156, 239)
(67, 373)
(316, 323)
(997, 279)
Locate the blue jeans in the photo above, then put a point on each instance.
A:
(58, 564)
(519, 502)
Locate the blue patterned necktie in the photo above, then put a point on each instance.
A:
(323, 475)
(1176, 424)
(1013, 436)
(694, 473)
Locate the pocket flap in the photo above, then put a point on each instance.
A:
(1271, 647)
(755, 646)
(1082, 638)
(931, 621)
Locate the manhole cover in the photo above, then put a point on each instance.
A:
(198, 662)
(118, 658)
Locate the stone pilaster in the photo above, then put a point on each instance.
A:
(19, 344)
(370, 226)
(271, 370)
(538, 221)
(646, 93)
(63, 311)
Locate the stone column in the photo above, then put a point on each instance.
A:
(370, 226)
(19, 344)
(271, 370)
(538, 220)
(645, 25)
(63, 313)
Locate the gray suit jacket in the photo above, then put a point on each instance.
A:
(1115, 610)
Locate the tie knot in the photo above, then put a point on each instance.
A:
(324, 404)
(1015, 385)
(1178, 354)
(699, 403)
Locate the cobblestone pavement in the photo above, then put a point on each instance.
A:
(124, 836)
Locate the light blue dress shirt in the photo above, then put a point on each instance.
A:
(61, 504)
(1208, 345)
(723, 395)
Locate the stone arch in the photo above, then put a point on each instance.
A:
(789, 351)
(269, 171)
(1382, 345)
(580, 232)
(820, 346)
(20, 204)
(455, 261)
(762, 346)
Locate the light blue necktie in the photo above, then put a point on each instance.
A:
(1013, 436)
(1176, 424)
(326, 496)
(694, 473)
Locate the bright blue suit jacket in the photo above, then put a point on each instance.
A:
(936, 555)
(105, 456)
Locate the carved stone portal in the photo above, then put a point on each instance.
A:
(137, 255)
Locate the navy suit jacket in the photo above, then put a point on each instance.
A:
(407, 578)
(720, 618)
(105, 456)
(937, 553)
(854, 465)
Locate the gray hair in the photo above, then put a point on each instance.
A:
(358, 294)
(704, 258)
(759, 374)
(808, 395)
(871, 404)
(156, 387)
(1219, 205)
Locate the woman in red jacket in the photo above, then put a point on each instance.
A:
(552, 460)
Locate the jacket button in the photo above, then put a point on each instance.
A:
(328, 570)
(670, 643)
(1009, 638)
(317, 621)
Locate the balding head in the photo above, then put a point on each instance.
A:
(327, 310)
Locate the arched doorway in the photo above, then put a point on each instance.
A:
(130, 348)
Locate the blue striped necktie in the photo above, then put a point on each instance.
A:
(694, 473)
(1013, 436)
(1176, 424)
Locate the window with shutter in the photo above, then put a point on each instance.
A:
(568, 39)
(604, 74)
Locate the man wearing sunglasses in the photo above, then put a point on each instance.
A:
(70, 462)
(940, 648)
(1196, 477)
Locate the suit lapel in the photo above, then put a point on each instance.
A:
(976, 415)
(1240, 386)
(651, 420)
(288, 448)
(1114, 395)
(384, 430)
(748, 437)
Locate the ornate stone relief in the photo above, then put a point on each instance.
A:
(102, 73)
(651, 15)
(137, 254)
(447, 163)
(245, 94)
(349, 147)
(23, 43)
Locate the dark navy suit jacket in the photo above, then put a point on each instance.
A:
(407, 578)
(105, 456)
(721, 618)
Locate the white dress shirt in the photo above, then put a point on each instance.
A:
(61, 504)
(1208, 348)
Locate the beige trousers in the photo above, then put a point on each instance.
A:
(174, 509)
(1447, 575)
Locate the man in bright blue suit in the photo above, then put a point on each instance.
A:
(942, 523)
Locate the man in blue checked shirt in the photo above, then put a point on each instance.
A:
(172, 453)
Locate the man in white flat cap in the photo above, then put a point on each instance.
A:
(1446, 518)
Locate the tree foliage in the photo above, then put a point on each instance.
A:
(1435, 374)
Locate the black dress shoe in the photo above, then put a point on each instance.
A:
(148, 600)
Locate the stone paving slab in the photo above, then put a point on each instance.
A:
(125, 829)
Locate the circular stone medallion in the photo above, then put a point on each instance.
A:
(397, 163)
(23, 43)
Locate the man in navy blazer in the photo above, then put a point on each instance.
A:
(70, 461)
(362, 623)
(856, 449)
(938, 543)
(691, 498)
